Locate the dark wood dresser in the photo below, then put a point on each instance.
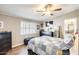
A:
(5, 42)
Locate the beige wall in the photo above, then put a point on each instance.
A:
(78, 36)
(59, 21)
(13, 24)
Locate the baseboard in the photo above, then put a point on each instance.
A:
(17, 45)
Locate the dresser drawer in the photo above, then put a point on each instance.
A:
(5, 47)
(3, 36)
(5, 41)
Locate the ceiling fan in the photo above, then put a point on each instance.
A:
(48, 9)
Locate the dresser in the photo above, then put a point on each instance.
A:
(5, 42)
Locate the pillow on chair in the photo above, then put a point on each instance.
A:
(68, 38)
(67, 43)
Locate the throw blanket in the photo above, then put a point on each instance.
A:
(46, 45)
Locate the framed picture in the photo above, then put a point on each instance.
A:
(1, 24)
(38, 27)
(46, 24)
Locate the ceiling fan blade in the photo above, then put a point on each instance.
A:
(42, 14)
(51, 14)
(40, 11)
(58, 9)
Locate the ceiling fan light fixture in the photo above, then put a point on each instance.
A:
(48, 9)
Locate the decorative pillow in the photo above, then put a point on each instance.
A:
(68, 38)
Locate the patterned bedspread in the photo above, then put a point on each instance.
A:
(46, 45)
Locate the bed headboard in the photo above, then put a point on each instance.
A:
(46, 33)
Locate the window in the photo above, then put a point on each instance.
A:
(28, 27)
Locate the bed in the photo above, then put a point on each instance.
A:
(47, 45)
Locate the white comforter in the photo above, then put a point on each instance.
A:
(46, 45)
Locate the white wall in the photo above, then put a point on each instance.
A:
(13, 24)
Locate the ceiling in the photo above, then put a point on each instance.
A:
(28, 11)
